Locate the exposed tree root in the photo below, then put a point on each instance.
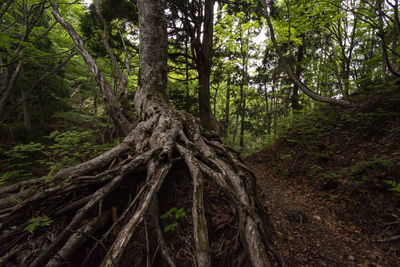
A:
(74, 195)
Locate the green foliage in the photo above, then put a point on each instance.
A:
(66, 149)
(23, 162)
(315, 170)
(37, 222)
(173, 215)
(395, 187)
(367, 122)
(373, 166)
(287, 156)
(71, 148)
(318, 174)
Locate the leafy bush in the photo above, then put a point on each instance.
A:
(71, 148)
(23, 162)
(35, 159)
(373, 166)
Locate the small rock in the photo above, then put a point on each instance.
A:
(350, 258)
(316, 217)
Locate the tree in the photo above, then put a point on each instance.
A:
(198, 24)
(302, 86)
(25, 43)
(162, 139)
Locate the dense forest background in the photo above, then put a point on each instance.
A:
(336, 48)
(250, 72)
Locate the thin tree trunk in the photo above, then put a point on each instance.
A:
(26, 112)
(215, 101)
(187, 98)
(13, 74)
(274, 105)
(95, 105)
(243, 107)
(236, 123)
(227, 104)
(396, 33)
(244, 51)
(242, 124)
(267, 118)
(295, 96)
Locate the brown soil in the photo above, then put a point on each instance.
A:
(326, 237)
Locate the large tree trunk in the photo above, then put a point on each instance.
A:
(82, 200)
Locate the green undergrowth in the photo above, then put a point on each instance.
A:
(75, 138)
(350, 153)
(63, 149)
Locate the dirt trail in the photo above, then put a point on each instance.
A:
(322, 238)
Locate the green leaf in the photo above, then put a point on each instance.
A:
(31, 227)
(171, 227)
(36, 222)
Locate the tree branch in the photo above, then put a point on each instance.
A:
(112, 106)
(290, 72)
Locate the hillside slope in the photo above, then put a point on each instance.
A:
(331, 184)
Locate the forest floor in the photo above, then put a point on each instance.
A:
(323, 238)
(332, 184)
